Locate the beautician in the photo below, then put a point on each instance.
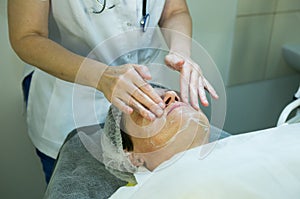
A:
(56, 37)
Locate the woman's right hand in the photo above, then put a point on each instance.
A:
(125, 87)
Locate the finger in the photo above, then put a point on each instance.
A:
(184, 84)
(202, 93)
(122, 106)
(141, 98)
(129, 90)
(147, 96)
(127, 104)
(146, 88)
(142, 71)
(196, 67)
(210, 89)
(174, 61)
(194, 89)
(141, 109)
(152, 97)
(150, 92)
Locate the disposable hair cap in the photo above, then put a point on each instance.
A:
(106, 145)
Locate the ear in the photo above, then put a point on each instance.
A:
(135, 159)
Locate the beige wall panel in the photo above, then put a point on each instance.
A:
(256, 6)
(213, 28)
(250, 49)
(288, 5)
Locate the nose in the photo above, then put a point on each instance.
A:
(171, 97)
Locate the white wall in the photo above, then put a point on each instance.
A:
(20, 170)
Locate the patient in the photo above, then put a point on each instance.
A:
(180, 128)
(129, 142)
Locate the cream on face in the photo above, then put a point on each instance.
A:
(180, 128)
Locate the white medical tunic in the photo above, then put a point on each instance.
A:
(56, 107)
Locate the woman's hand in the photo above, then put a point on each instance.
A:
(125, 87)
(192, 81)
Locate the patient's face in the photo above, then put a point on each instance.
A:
(180, 128)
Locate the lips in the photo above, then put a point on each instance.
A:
(174, 106)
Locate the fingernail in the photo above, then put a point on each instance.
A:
(151, 116)
(128, 110)
(159, 112)
(205, 103)
(162, 105)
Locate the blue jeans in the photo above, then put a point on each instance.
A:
(47, 163)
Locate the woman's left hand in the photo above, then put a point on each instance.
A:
(192, 81)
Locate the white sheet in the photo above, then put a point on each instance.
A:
(258, 165)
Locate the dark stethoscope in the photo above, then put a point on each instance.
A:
(145, 18)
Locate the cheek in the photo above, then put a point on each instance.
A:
(138, 119)
(134, 124)
(171, 127)
(202, 133)
(159, 140)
